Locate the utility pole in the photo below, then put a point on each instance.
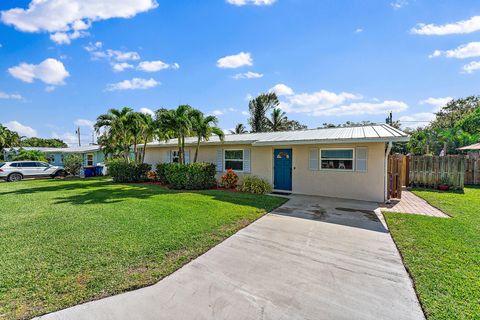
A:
(389, 119)
(78, 136)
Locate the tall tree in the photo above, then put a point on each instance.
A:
(239, 129)
(177, 121)
(40, 142)
(278, 120)
(204, 127)
(118, 125)
(258, 108)
(8, 138)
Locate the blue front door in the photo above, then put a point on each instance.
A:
(282, 170)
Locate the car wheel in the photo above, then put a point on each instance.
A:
(60, 173)
(15, 177)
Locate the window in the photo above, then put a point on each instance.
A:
(233, 160)
(336, 159)
(90, 159)
(175, 157)
(29, 164)
(51, 158)
(42, 164)
(361, 156)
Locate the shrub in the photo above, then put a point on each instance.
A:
(253, 184)
(161, 172)
(229, 179)
(152, 175)
(33, 155)
(192, 176)
(125, 171)
(73, 163)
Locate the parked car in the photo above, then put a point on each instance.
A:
(17, 170)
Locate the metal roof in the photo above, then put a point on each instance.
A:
(81, 149)
(475, 146)
(371, 133)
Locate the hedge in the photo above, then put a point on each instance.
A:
(126, 171)
(256, 185)
(194, 176)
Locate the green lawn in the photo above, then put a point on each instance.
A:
(443, 255)
(66, 242)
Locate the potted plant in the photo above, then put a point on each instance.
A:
(444, 184)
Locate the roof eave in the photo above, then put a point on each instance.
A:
(331, 141)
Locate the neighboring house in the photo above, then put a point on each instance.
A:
(92, 154)
(335, 162)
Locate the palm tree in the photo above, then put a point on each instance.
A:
(279, 120)
(178, 122)
(258, 108)
(204, 128)
(118, 125)
(9, 138)
(239, 129)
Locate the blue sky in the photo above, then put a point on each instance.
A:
(329, 61)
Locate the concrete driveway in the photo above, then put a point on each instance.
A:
(313, 258)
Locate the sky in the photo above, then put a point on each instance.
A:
(64, 62)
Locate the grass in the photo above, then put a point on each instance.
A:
(443, 255)
(67, 242)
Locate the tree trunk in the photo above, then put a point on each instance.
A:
(196, 150)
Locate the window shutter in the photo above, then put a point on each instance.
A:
(187, 156)
(313, 159)
(219, 160)
(361, 156)
(246, 161)
(167, 158)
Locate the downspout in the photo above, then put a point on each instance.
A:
(387, 153)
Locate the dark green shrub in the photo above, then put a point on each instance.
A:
(73, 163)
(192, 176)
(125, 171)
(253, 184)
(160, 170)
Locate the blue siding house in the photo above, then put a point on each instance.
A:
(91, 154)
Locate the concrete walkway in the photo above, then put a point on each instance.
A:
(412, 204)
(313, 258)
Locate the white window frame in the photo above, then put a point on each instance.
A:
(93, 159)
(339, 170)
(225, 160)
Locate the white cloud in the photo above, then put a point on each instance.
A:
(115, 55)
(245, 113)
(50, 89)
(133, 84)
(217, 112)
(459, 27)
(282, 90)
(417, 120)
(251, 2)
(67, 37)
(71, 17)
(326, 103)
(359, 30)
(121, 66)
(94, 46)
(471, 67)
(247, 75)
(235, 61)
(468, 50)
(22, 130)
(70, 138)
(154, 66)
(147, 111)
(398, 4)
(49, 71)
(438, 103)
(10, 96)
(84, 123)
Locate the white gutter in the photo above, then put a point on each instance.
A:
(387, 153)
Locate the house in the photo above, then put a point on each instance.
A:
(92, 154)
(335, 162)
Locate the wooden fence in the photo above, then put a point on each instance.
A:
(395, 169)
(430, 171)
(472, 171)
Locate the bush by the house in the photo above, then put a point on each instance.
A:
(32, 155)
(229, 179)
(192, 176)
(160, 170)
(152, 176)
(72, 164)
(256, 185)
(128, 171)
